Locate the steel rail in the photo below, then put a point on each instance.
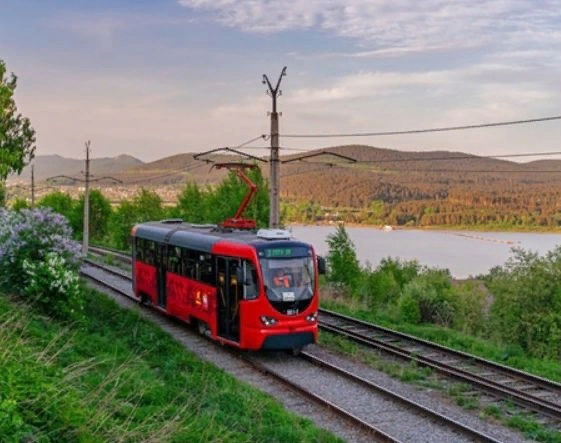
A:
(377, 433)
(385, 339)
(441, 418)
(119, 255)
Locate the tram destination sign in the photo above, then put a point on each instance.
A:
(285, 252)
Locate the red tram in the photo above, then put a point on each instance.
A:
(246, 288)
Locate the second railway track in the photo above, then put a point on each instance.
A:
(528, 391)
(365, 404)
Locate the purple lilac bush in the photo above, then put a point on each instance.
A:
(31, 241)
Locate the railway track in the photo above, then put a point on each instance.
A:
(416, 414)
(527, 390)
(103, 251)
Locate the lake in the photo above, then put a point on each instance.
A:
(465, 253)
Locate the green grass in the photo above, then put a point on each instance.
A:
(457, 340)
(119, 377)
(461, 393)
(407, 373)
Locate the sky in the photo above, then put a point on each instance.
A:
(162, 77)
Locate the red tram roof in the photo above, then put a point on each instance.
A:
(200, 237)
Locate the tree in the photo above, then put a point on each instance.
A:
(224, 201)
(146, 206)
(343, 263)
(191, 205)
(60, 202)
(17, 137)
(100, 213)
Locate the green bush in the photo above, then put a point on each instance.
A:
(379, 287)
(432, 290)
(403, 271)
(409, 310)
(470, 315)
(19, 204)
(527, 306)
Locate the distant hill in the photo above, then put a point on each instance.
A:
(373, 162)
(52, 165)
(390, 176)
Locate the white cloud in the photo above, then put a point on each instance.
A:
(368, 84)
(383, 25)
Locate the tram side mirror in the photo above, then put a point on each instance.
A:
(322, 266)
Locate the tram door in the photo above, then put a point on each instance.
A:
(229, 296)
(161, 260)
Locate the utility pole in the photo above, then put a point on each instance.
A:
(274, 177)
(32, 186)
(87, 180)
(86, 201)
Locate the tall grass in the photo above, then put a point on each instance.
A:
(119, 378)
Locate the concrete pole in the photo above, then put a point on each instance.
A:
(32, 186)
(274, 188)
(274, 176)
(86, 202)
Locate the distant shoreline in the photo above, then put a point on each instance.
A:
(476, 228)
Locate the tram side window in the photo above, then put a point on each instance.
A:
(174, 259)
(189, 262)
(205, 270)
(250, 288)
(139, 247)
(150, 252)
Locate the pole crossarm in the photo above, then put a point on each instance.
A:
(200, 155)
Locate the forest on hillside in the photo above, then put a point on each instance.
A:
(382, 186)
(436, 190)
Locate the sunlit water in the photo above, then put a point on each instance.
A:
(464, 253)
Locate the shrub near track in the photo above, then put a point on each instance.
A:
(512, 315)
(118, 377)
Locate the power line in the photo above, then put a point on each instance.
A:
(244, 144)
(422, 131)
(176, 172)
(443, 158)
(460, 171)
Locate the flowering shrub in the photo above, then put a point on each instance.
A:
(30, 235)
(38, 259)
(53, 286)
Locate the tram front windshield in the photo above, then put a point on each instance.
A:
(288, 279)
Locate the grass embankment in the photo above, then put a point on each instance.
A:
(118, 377)
(505, 355)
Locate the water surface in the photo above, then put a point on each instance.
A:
(465, 253)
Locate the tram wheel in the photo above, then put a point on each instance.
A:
(295, 352)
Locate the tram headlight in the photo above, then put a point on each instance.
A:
(268, 321)
(313, 317)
